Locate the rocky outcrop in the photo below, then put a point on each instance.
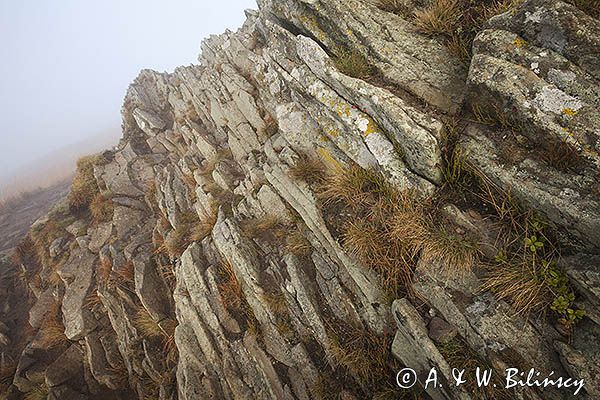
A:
(208, 266)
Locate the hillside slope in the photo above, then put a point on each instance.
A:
(330, 196)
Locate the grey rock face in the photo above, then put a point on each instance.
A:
(184, 294)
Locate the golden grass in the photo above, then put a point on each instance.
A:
(353, 63)
(101, 208)
(354, 186)
(308, 169)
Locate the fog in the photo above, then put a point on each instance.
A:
(66, 64)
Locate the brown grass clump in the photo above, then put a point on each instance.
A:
(364, 356)
(229, 287)
(265, 228)
(147, 326)
(591, 7)
(355, 64)
(39, 392)
(562, 156)
(52, 329)
(84, 187)
(101, 208)
(164, 331)
(521, 285)
(126, 272)
(389, 230)
(297, 244)
(392, 6)
(92, 301)
(457, 253)
(439, 18)
(308, 169)
(7, 374)
(459, 355)
(459, 21)
(104, 270)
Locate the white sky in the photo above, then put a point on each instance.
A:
(65, 64)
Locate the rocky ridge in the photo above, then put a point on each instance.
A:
(204, 268)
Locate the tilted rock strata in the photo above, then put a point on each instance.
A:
(212, 145)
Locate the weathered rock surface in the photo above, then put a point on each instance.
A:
(175, 295)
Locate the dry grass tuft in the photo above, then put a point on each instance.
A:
(92, 301)
(229, 287)
(354, 64)
(84, 187)
(562, 156)
(39, 392)
(459, 355)
(308, 169)
(457, 253)
(297, 244)
(147, 326)
(364, 356)
(354, 186)
(265, 228)
(126, 272)
(459, 21)
(104, 270)
(52, 329)
(591, 7)
(101, 208)
(392, 6)
(441, 17)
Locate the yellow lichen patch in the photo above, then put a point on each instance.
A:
(371, 128)
(519, 42)
(569, 111)
(333, 133)
(329, 160)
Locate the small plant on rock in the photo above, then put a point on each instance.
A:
(353, 63)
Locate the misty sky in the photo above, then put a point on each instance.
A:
(65, 64)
